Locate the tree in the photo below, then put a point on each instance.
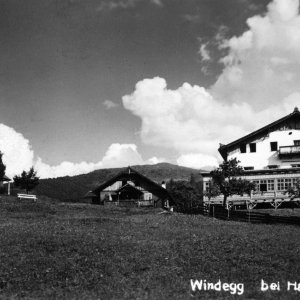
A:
(226, 180)
(192, 179)
(294, 190)
(27, 180)
(2, 167)
(184, 193)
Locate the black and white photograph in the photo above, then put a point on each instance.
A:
(149, 149)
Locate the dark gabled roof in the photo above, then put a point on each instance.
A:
(129, 187)
(89, 194)
(264, 130)
(132, 175)
(5, 178)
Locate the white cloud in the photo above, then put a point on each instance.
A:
(18, 156)
(108, 104)
(117, 155)
(262, 66)
(259, 84)
(192, 122)
(197, 161)
(17, 153)
(155, 160)
(204, 53)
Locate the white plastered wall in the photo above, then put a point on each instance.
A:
(263, 157)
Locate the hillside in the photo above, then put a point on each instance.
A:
(74, 188)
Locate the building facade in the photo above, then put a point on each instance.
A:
(270, 157)
(130, 187)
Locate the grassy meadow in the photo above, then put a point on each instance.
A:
(79, 251)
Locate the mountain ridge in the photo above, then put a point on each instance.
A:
(73, 188)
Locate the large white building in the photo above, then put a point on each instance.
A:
(270, 157)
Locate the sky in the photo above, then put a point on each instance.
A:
(90, 84)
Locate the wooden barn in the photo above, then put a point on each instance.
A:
(131, 188)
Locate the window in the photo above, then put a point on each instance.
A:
(280, 184)
(284, 184)
(263, 185)
(248, 168)
(295, 165)
(252, 147)
(272, 166)
(274, 146)
(271, 185)
(287, 183)
(297, 142)
(207, 185)
(243, 148)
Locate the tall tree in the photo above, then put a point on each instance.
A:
(184, 193)
(226, 180)
(27, 180)
(2, 167)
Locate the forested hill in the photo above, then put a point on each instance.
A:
(74, 188)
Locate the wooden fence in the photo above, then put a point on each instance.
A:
(250, 216)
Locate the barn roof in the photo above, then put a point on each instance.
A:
(128, 187)
(223, 149)
(130, 174)
(5, 178)
(89, 194)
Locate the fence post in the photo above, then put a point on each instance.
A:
(213, 211)
(249, 213)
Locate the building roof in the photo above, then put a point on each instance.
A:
(128, 187)
(5, 178)
(129, 174)
(89, 194)
(223, 149)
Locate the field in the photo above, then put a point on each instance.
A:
(79, 251)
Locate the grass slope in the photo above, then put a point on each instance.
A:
(75, 187)
(78, 251)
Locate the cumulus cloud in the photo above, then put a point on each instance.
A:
(197, 160)
(262, 65)
(192, 122)
(17, 152)
(259, 84)
(18, 156)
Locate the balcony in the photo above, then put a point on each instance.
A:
(289, 151)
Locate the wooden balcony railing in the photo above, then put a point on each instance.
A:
(289, 150)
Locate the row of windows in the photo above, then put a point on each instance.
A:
(273, 146)
(269, 185)
(243, 147)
